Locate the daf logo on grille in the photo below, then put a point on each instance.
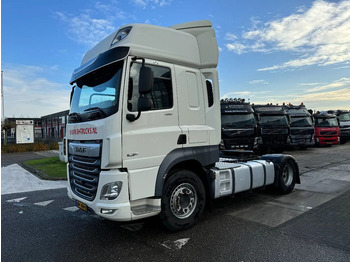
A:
(79, 149)
(87, 149)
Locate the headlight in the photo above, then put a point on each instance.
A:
(111, 191)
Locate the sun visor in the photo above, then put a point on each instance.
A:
(103, 59)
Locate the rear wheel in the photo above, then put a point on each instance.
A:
(287, 176)
(183, 200)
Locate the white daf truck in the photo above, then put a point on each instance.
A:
(144, 129)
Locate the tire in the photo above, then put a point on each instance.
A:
(183, 200)
(287, 176)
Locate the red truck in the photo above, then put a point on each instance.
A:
(326, 129)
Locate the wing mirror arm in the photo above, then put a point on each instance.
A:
(71, 95)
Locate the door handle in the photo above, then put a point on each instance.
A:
(131, 154)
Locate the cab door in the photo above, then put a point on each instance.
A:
(147, 140)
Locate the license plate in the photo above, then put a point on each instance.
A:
(81, 206)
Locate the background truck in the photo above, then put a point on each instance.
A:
(144, 129)
(273, 127)
(326, 129)
(302, 129)
(344, 124)
(239, 127)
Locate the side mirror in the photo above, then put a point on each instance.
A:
(146, 80)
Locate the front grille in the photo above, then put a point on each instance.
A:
(274, 140)
(327, 133)
(274, 131)
(239, 143)
(302, 132)
(236, 133)
(345, 132)
(84, 173)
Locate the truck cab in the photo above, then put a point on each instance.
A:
(238, 126)
(344, 124)
(273, 127)
(326, 129)
(129, 127)
(301, 127)
(144, 129)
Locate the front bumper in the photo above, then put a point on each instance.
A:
(332, 140)
(345, 133)
(121, 205)
(302, 141)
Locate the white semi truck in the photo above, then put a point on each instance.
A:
(144, 129)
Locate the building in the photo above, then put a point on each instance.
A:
(49, 127)
(54, 125)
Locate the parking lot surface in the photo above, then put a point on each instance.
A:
(310, 224)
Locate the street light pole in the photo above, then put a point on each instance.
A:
(2, 97)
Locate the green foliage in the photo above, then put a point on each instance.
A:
(51, 166)
(15, 148)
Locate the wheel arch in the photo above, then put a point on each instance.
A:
(277, 159)
(195, 159)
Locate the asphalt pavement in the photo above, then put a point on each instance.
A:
(310, 224)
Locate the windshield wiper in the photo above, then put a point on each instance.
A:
(74, 117)
(95, 108)
(96, 113)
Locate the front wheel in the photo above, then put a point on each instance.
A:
(183, 200)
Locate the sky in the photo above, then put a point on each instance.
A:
(271, 51)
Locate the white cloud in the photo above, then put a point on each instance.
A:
(341, 83)
(236, 47)
(230, 37)
(309, 84)
(236, 94)
(28, 93)
(94, 23)
(335, 99)
(258, 82)
(318, 35)
(333, 95)
(151, 3)
(244, 94)
(86, 30)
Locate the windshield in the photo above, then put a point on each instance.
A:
(344, 117)
(96, 95)
(303, 121)
(326, 122)
(238, 120)
(280, 120)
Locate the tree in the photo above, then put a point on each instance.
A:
(6, 126)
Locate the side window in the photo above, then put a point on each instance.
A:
(209, 84)
(161, 95)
